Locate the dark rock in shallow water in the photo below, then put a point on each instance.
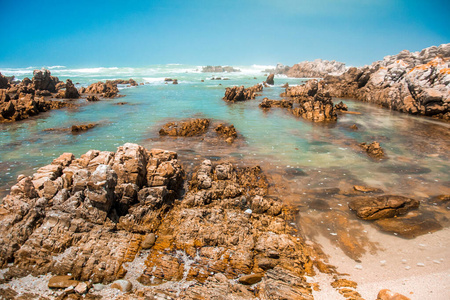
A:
(241, 93)
(291, 173)
(409, 227)
(319, 204)
(386, 206)
(408, 169)
(367, 189)
(269, 103)
(374, 150)
(270, 80)
(81, 128)
(341, 106)
(229, 133)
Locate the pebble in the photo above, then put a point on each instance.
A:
(248, 211)
(436, 261)
(407, 267)
(359, 267)
(382, 262)
(420, 264)
(404, 261)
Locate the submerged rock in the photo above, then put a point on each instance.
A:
(387, 206)
(83, 127)
(229, 133)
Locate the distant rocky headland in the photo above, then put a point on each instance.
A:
(219, 69)
(310, 69)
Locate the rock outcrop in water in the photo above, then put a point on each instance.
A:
(92, 218)
(270, 80)
(379, 207)
(42, 80)
(219, 69)
(415, 83)
(69, 91)
(228, 132)
(374, 150)
(241, 93)
(106, 89)
(188, 128)
(269, 103)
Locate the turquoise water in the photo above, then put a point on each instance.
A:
(328, 155)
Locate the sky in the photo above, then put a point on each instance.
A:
(210, 32)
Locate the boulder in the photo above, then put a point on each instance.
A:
(42, 80)
(69, 92)
(270, 80)
(235, 93)
(269, 103)
(386, 206)
(374, 150)
(62, 282)
(319, 109)
(229, 133)
(188, 128)
(82, 127)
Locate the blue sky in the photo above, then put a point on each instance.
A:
(235, 32)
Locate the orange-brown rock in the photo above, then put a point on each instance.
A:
(318, 109)
(269, 103)
(82, 127)
(386, 294)
(241, 93)
(379, 207)
(188, 128)
(229, 133)
(105, 89)
(69, 91)
(374, 150)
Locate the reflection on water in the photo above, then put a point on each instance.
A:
(311, 165)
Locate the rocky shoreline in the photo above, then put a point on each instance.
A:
(30, 97)
(217, 234)
(416, 83)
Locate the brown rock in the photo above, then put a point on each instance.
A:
(387, 206)
(373, 150)
(70, 92)
(62, 282)
(82, 127)
(235, 93)
(409, 226)
(92, 98)
(341, 106)
(367, 189)
(388, 295)
(189, 128)
(270, 80)
(250, 279)
(268, 103)
(148, 241)
(122, 285)
(319, 109)
(229, 133)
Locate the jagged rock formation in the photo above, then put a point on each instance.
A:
(130, 82)
(219, 69)
(373, 150)
(69, 91)
(42, 80)
(106, 89)
(241, 93)
(318, 109)
(25, 106)
(188, 128)
(311, 69)
(415, 83)
(270, 80)
(269, 103)
(89, 217)
(229, 133)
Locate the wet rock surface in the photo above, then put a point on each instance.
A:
(374, 150)
(106, 89)
(269, 103)
(228, 132)
(241, 93)
(386, 206)
(410, 82)
(319, 109)
(188, 128)
(217, 234)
